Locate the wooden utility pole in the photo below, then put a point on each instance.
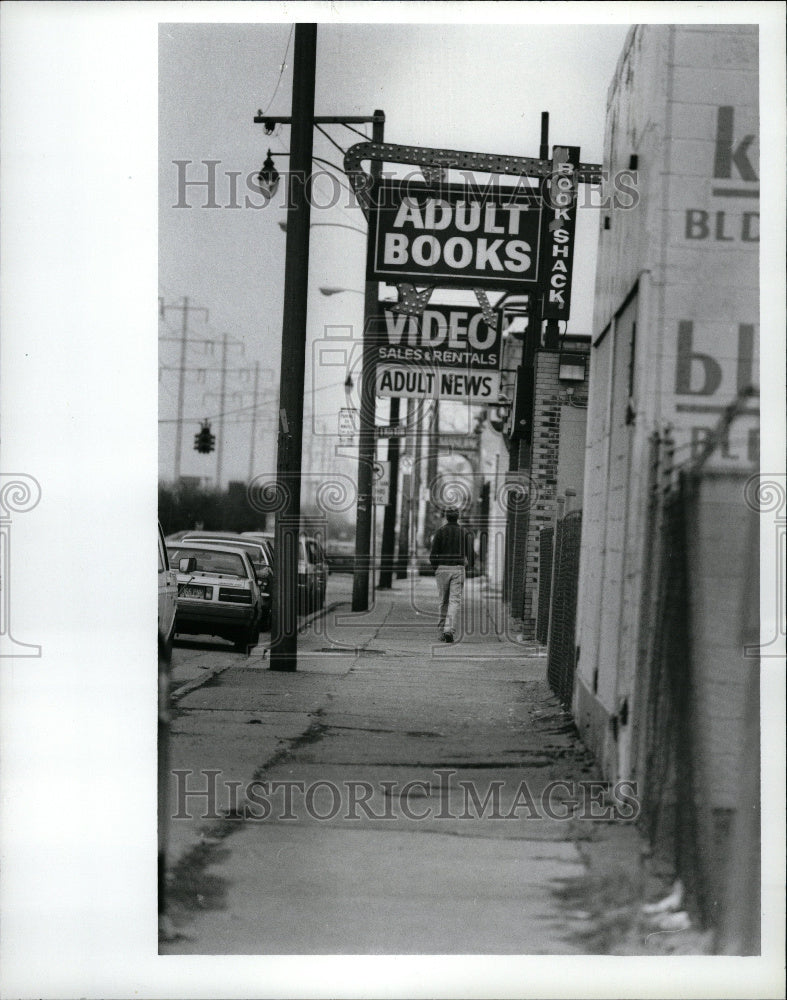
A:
(222, 403)
(284, 638)
(254, 419)
(184, 341)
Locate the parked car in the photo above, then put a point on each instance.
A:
(175, 536)
(218, 592)
(261, 555)
(340, 556)
(167, 596)
(312, 568)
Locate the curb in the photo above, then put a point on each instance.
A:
(198, 682)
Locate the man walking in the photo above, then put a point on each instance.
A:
(451, 554)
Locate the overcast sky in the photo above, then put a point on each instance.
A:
(477, 87)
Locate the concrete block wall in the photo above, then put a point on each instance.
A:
(722, 567)
(682, 110)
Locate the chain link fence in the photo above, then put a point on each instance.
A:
(546, 538)
(563, 606)
(699, 785)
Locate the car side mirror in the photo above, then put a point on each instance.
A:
(187, 565)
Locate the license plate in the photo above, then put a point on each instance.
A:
(186, 591)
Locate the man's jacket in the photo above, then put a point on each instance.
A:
(452, 545)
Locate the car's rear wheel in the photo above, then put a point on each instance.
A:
(246, 638)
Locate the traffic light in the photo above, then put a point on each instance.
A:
(204, 441)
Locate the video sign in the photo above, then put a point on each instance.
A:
(449, 352)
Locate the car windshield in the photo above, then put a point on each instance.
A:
(216, 563)
(256, 553)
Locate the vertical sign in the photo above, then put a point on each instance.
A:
(381, 483)
(347, 417)
(561, 218)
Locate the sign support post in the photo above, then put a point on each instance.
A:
(367, 444)
(389, 518)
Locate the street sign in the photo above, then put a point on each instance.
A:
(399, 431)
(347, 421)
(454, 235)
(381, 483)
(458, 442)
(347, 424)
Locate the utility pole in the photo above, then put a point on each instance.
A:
(283, 646)
(367, 441)
(522, 413)
(389, 518)
(415, 502)
(254, 419)
(222, 401)
(404, 515)
(184, 334)
(181, 386)
(431, 515)
(222, 396)
(284, 638)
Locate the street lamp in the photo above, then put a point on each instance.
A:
(268, 177)
(331, 290)
(328, 290)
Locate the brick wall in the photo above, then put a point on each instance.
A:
(549, 397)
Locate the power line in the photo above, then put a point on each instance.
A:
(352, 128)
(281, 70)
(330, 139)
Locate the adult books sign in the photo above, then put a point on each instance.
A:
(473, 236)
(454, 235)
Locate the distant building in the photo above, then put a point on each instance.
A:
(542, 424)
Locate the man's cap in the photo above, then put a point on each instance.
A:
(451, 512)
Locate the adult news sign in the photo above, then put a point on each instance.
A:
(454, 235)
(449, 352)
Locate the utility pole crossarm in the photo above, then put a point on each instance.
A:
(261, 119)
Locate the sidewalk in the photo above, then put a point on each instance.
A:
(411, 797)
(201, 663)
